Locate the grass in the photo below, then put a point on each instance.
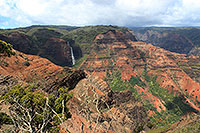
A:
(87, 34)
(159, 130)
(32, 31)
(79, 61)
(193, 127)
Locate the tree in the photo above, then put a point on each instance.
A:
(5, 49)
(32, 110)
(4, 119)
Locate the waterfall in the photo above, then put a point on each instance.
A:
(72, 54)
(73, 59)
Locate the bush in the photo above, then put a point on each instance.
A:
(30, 108)
(5, 119)
(26, 63)
(5, 49)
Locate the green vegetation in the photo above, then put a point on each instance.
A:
(26, 63)
(160, 130)
(84, 36)
(79, 61)
(31, 110)
(8, 31)
(41, 36)
(29, 30)
(175, 106)
(193, 127)
(4, 119)
(36, 37)
(5, 49)
(36, 30)
(136, 81)
(118, 85)
(87, 34)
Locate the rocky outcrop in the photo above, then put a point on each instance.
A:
(195, 51)
(43, 44)
(167, 66)
(57, 50)
(20, 42)
(113, 52)
(96, 108)
(156, 102)
(6, 82)
(29, 67)
(69, 80)
(169, 41)
(37, 70)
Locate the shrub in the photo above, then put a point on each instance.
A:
(4, 119)
(32, 111)
(26, 63)
(5, 49)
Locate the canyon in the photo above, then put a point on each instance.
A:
(182, 40)
(119, 84)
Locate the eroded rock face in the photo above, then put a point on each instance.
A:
(112, 52)
(96, 108)
(167, 66)
(55, 49)
(169, 41)
(29, 67)
(21, 42)
(6, 82)
(58, 51)
(69, 79)
(195, 51)
(37, 70)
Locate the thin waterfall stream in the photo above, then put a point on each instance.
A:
(72, 54)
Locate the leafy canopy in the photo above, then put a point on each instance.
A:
(5, 49)
(32, 110)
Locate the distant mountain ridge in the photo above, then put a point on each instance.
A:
(35, 39)
(181, 40)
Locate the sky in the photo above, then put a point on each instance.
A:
(129, 13)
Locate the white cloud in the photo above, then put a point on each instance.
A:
(185, 13)
(87, 12)
(32, 7)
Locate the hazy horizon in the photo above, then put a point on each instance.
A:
(102, 25)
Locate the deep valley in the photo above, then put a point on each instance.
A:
(123, 80)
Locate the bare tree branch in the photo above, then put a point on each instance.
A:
(58, 116)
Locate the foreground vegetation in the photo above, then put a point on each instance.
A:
(32, 110)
